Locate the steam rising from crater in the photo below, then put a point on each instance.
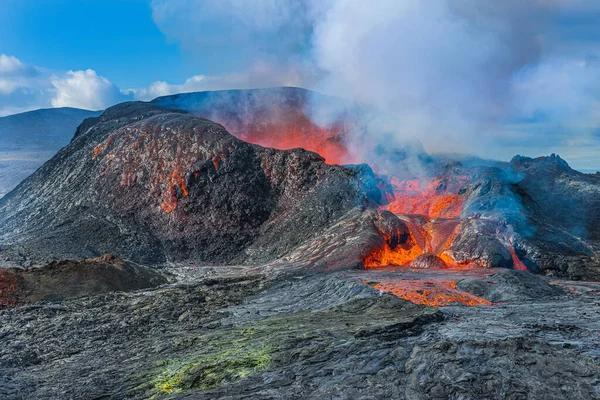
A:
(485, 77)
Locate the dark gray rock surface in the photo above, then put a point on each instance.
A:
(71, 279)
(511, 286)
(306, 337)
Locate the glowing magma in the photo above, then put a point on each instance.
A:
(401, 254)
(431, 209)
(328, 142)
(432, 197)
(431, 292)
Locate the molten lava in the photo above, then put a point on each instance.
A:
(517, 263)
(328, 142)
(431, 209)
(431, 292)
(433, 197)
(387, 256)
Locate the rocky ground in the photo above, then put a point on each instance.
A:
(241, 271)
(229, 333)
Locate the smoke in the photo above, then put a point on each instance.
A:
(227, 36)
(460, 76)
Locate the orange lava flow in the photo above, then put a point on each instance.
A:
(430, 197)
(431, 293)
(328, 142)
(401, 254)
(431, 208)
(169, 198)
(517, 263)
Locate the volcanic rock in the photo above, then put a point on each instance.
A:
(319, 336)
(508, 209)
(70, 279)
(153, 186)
(511, 285)
(428, 261)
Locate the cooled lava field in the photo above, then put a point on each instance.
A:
(227, 245)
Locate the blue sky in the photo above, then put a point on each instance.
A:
(480, 76)
(117, 38)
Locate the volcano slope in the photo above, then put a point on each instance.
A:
(155, 186)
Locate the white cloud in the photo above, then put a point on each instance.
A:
(161, 88)
(84, 89)
(25, 87)
(14, 74)
(11, 65)
(7, 86)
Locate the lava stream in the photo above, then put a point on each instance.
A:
(431, 292)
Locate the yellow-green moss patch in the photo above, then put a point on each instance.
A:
(238, 361)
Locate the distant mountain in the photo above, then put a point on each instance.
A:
(29, 139)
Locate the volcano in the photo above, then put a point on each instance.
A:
(154, 186)
(253, 244)
(159, 183)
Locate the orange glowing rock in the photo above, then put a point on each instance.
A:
(517, 263)
(431, 292)
(431, 208)
(168, 206)
(176, 180)
(328, 142)
(445, 206)
(433, 197)
(385, 256)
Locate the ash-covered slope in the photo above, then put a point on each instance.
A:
(29, 139)
(153, 185)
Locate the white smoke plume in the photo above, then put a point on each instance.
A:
(460, 75)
